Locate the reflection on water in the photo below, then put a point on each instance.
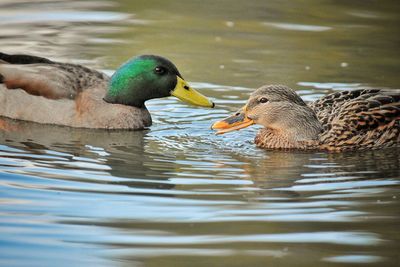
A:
(104, 196)
(176, 194)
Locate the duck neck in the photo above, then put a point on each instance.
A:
(300, 131)
(120, 91)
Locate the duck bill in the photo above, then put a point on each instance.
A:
(232, 123)
(187, 94)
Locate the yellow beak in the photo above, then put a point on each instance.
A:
(234, 122)
(187, 94)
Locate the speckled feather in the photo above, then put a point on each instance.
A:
(351, 120)
(360, 119)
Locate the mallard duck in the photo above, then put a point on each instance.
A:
(73, 95)
(348, 120)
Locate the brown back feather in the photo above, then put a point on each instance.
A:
(359, 119)
(42, 77)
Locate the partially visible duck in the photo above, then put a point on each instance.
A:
(348, 120)
(44, 91)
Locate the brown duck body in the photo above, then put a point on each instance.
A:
(86, 110)
(342, 121)
(39, 90)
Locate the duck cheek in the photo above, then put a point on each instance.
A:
(262, 120)
(258, 121)
(253, 117)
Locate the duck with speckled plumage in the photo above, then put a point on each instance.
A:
(341, 121)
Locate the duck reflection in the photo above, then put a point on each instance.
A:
(279, 172)
(120, 153)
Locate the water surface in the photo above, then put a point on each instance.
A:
(176, 194)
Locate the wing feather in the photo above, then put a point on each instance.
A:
(363, 119)
(43, 77)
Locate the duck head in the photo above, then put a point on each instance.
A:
(149, 76)
(277, 108)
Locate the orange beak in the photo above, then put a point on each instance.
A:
(232, 123)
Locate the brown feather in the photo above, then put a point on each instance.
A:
(51, 80)
(359, 119)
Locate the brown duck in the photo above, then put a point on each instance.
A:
(341, 121)
(44, 91)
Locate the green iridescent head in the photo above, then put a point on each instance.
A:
(146, 77)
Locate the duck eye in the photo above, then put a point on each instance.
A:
(160, 70)
(263, 100)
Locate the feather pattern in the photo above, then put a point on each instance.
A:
(360, 119)
(351, 120)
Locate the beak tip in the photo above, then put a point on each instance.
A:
(217, 125)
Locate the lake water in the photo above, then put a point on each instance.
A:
(176, 194)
